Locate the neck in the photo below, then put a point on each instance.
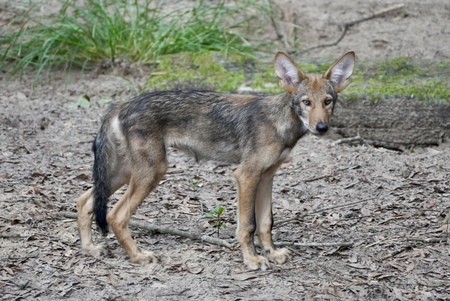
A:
(288, 125)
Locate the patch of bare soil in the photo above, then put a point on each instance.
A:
(390, 205)
(419, 30)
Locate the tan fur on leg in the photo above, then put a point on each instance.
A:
(246, 220)
(119, 217)
(264, 217)
(85, 206)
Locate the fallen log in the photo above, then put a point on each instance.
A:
(393, 123)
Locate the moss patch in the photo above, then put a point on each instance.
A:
(202, 71)
(210, 70)
(400, 77)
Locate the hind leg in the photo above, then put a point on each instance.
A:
(85, 208)
(142, 182)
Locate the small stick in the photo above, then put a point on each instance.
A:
(187, 234)
(433, 240)
(395, 253)
(316, 178)
(282, 222)
(165, 230)
(416, 240)
(347, 140)
(374, 15)
(313, 244)
(15, 235)
(344, 27)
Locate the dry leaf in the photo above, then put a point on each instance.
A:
(410, 267)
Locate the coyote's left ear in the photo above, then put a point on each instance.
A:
(339, 73)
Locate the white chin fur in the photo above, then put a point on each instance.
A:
(310, 129)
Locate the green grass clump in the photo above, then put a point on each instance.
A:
(107, 29)
(403, 66)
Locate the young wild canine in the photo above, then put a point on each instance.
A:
(255, 132)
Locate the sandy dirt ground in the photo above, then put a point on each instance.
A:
(390, 206)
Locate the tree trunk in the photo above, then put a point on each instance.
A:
(393, 123)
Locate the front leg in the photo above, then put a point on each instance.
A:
(247, 184)
(264, 217)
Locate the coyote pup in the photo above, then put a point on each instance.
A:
(255, 132)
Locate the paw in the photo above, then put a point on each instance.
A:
(144, 257)
(279, 255)
(257, 262)
(95, 250)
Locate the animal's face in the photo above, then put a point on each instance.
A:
(313, 96)
(313, 102)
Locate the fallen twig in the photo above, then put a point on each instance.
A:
(395, 253)
(316, 178)
(171, 231)
(299, 217)
(348, 140)
(432, 240)
(313, 244)
(416, 240)
(375, 14)
(190, 235)
(309, 244)
(411, 246)
(15, 235)
(344, 27)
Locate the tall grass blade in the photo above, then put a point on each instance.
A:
(107, 29)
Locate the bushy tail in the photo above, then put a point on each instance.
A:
(102, 182)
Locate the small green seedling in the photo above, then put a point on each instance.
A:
(83, 101)
(196, 183)
(447, 220)
(216, 220)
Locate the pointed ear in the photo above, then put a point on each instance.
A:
(288, 72)
(339, 73)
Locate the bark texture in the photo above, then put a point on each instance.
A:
(393, 122)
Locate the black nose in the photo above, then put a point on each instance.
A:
(322, 127)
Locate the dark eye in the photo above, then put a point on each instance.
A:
(328, 101)
(307, 102)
